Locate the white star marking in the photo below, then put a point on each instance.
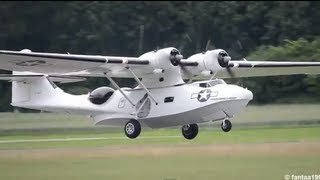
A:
(205, 95)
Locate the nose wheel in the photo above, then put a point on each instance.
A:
(226, 125)
(132, 129)
(190, 131)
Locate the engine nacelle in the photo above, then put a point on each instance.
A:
(165, 59)
(208, 62)
(165, 63)
(100, 95)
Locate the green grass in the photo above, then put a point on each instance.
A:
(93, 163)
(284, 112)
(239, 156)
(251, 114)
(42, 120)
(204, 137)
(178, 167)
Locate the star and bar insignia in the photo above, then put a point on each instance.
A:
(204, 95)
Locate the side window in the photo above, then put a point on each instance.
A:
(168, 99)
(203, 85)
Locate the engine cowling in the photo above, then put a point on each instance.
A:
(165, 63)
(100, 95)
(209, 62)
(166, 59)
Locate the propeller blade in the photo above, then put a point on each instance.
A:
(188, 73)
(230, 72)
(141, 34)
(208, 44)
(239, 44)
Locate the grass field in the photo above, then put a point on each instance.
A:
(251, 114)
(186, 166)
(170, 137)
(243, 153)
(246, 154)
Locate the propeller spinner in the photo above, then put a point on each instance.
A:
(224, 61)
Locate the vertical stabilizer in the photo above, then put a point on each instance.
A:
(31, 87)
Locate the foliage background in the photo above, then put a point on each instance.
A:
(267, 30)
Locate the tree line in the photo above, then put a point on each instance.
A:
(255, 30)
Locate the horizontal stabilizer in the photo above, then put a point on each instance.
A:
(28, 77)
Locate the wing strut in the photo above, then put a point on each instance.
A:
(143, 86)
(213, 75)
(118, 88)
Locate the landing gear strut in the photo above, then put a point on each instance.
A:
(226, 125)
(190, 131)
(132, 129)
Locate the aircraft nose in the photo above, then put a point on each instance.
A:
(244, 93)
(237, 92)
(247, 94)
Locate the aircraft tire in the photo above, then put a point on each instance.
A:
(190, 131)
(226, 125)
(132, 129)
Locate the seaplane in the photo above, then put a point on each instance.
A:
(171, 90)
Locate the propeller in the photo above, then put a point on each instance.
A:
(223, 58)
(208, 44)
(224, 61)
(175, 57)
(185, 39)
(241, 48)
(141, 34)
(230, 72)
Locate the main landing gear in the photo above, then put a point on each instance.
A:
(226, 125)
(190, 131)
(132, 129)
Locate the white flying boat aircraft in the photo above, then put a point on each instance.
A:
(162, 98)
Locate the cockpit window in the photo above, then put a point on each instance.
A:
(211, 83)
(100, 95)
(204, 85)
(216, 81)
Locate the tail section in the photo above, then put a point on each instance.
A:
(31, 88)
(38, 91)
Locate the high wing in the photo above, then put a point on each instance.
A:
(218, 63)
(31, 76)
(149, 65)
(154, 66)
(53, 63)
(268, 68)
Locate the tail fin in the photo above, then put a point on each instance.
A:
(28, 87)
(37, 91)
